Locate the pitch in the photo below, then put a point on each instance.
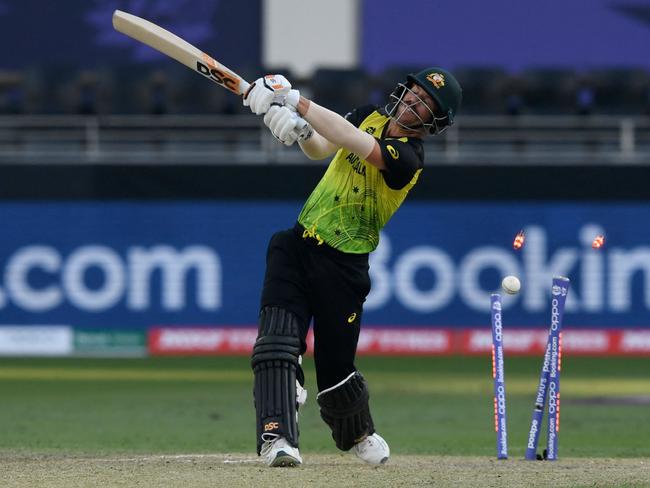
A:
(173, 421)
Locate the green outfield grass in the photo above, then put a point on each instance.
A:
(427, 406)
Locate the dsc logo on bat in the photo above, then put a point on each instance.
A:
(218, 76)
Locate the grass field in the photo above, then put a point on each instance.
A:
(200, 410)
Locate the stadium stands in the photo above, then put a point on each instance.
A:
(542, 113)
(621, 90)
(550, 90)
(487, 90)
(483, 89)
(341, 89)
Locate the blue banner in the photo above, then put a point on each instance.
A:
(80, 34)
(578, 34)
(136, 265)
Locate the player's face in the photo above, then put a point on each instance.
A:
(416, 107)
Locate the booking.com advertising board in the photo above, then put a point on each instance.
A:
(189, 275)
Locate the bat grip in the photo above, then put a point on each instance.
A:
(245, 88)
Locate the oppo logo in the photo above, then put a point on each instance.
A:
(555, 314)
(501, 400)
(552, 396)
(498, 327)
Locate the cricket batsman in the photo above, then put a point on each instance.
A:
(317, 271)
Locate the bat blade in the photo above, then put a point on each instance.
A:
(179, 49)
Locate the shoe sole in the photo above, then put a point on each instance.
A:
(284, 460)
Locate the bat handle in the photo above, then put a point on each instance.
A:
(245, 87)
(302, 123)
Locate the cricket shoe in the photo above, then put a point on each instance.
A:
(373, 449)
(277, 452)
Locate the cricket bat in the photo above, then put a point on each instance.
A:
(179, 49)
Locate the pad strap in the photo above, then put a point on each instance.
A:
(344, 407)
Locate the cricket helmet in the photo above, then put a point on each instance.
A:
(440, 85)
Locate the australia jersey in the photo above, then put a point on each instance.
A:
(354, 199)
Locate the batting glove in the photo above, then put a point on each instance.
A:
(270, 90)
(286, 125)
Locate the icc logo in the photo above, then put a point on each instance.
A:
(558, 290)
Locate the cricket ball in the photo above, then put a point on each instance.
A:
(511, 285)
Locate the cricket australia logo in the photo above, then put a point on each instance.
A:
(436, 80)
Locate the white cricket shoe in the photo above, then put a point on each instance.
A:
(277, 452)
(373, 449)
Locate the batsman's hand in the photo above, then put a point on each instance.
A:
(286, 125)
(270, 90)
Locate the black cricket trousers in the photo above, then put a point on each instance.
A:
(316, 281)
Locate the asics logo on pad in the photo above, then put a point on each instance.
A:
(352, 317)
(392, 151)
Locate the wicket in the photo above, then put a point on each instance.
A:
(558, 300)
(498, 374)
(548, 389)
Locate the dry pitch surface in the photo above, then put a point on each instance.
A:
(241, 470)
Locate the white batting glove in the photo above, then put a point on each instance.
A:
(286, 125)
(270, 90)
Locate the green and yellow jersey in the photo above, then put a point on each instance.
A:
(354, 199)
